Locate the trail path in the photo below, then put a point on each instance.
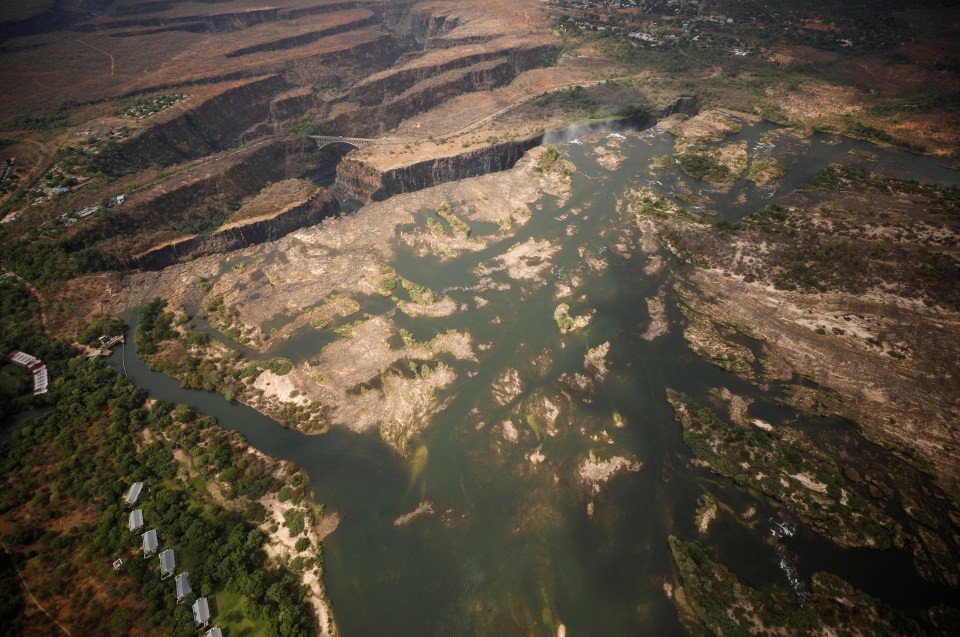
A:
(110, 55)
(30, 594)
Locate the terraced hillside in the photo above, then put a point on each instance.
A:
(143, 98)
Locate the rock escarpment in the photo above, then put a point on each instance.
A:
(380, 103)
(211, 127)
(359, 180)
(320, 205)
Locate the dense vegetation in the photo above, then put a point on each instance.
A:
(703, 166)
(43, 260)
(729, 607)
(768, 462)
(813, 478)
(154, 326)
(54, 117)
(102, 326)
(73, 463)
(578, 101)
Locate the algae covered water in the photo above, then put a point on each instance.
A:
(541, 497)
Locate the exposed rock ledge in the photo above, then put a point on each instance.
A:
(361, 180)
(312, 211)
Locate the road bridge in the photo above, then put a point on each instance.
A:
(356, 142)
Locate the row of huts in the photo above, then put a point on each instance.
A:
(41, 377)
(168, 563)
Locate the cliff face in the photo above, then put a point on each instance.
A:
(374, 121)
(392, 84)
(684, 105)
(311, 212)
(212, 126)
(358, 180)
(376, 106)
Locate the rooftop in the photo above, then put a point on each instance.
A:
(136, 519)
(201, 611)
(168, 562)
(183, 585)
(150, 541)
(133, 494)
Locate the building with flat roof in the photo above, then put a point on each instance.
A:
(41, 377)
(133, 494)
(201, 612)
(183, 586)
(150, 543)
(24, 360)
(168, 564)
(214, 632)
(41, 381)
(136, 520)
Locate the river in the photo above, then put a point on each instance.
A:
(515, 547)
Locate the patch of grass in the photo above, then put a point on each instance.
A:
(562, 317)
(13, 380)
(435, 227)
(232, 618)
(388, 281)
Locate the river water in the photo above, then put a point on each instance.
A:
(518, 548)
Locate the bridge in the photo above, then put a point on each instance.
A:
(356, 142)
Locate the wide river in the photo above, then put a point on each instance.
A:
(517, 547)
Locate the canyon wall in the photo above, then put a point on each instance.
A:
(232, 177)
(233, 237)
(210, 127)
(376, 106)
(263, 105)
(358, 180)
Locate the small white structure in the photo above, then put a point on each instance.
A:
(24, 360)
(136, 520)
(214, 632)
(201, 612)
(183, 586)
(133, 494)
(168, 564)
(117, 563)
(41, 381)
(150, 543)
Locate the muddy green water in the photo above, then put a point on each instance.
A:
(510, 548)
